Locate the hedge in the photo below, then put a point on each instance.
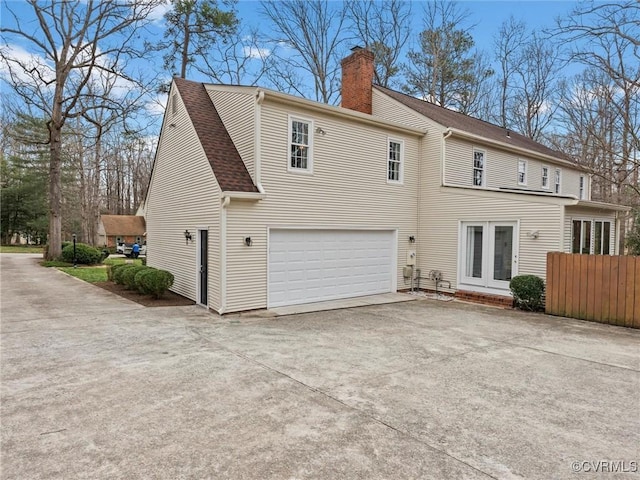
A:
(129, 275)
(85, 254)
(528, 291)
(111, 270)
(151, 281)
(119, 272)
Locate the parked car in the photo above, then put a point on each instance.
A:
(125, 249)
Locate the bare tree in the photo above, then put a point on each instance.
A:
(310, 37)
(508, 45)
(72, 40)
(606, 38)
(535, 92)
(384, 28)
(239, 60)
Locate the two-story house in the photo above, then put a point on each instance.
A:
(260, 199)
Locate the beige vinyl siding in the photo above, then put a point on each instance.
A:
(440, 231)
(236, 111)
(501, 169)
(183, 195)
(593, 214)
(570, 182)
(348, 189)
(391, 110)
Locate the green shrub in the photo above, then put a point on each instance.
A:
(151, 281)
(129, 275)
(66, 244)
(85, 254)
(111, 270)
(119, 272)
(528, 291)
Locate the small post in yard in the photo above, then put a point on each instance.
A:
(75, 260)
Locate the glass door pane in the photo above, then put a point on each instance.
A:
(473, 266)
(503, 253)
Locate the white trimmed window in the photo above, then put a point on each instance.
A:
(300, 145)
(545, 177)
(478, 168)
(395, 160)
(582, 194)
(522, 172)
(556, 187)
(591, 236)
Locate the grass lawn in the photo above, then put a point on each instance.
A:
(121, 261)
(88, 274)
(20, 249)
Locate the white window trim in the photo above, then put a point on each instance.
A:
(522, 161)
(582, 188)
(592, 242)
(557, 181)
(548, 186)
(400, 181)
(484, 168)
(309, 169)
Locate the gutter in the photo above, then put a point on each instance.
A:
(223, 255)
(244, 195)
(257, 142)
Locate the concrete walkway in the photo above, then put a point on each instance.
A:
(94, 386)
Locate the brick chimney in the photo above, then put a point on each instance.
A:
(357, 78)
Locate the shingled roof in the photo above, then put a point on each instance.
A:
(130, 225)
(459, 121)
(223, 156)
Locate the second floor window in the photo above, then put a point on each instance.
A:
(581, 197)
(557, 181)
(545, 177)
(394, 168)
(478, 168)
(300, 145)
(522, 172)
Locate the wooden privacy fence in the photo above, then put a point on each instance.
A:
(601, 288)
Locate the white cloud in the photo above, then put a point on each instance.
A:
(157, 14)
(24, 63)
(255, 52)
(157, 105)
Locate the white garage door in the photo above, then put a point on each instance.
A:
(315, 265)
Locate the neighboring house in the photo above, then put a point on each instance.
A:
(260, 199)
(115, 229)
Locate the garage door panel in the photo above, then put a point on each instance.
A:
(315, 265)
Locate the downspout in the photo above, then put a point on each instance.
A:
(223, 255)
(257, 143)
(443, 162)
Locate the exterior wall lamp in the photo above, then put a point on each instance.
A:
(247, 241)
(412, 239)
(187, 236)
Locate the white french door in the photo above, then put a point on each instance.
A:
(488, 253)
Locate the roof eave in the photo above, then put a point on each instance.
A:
(247, 196)
(601, 205)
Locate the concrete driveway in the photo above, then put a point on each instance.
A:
(94, 386)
